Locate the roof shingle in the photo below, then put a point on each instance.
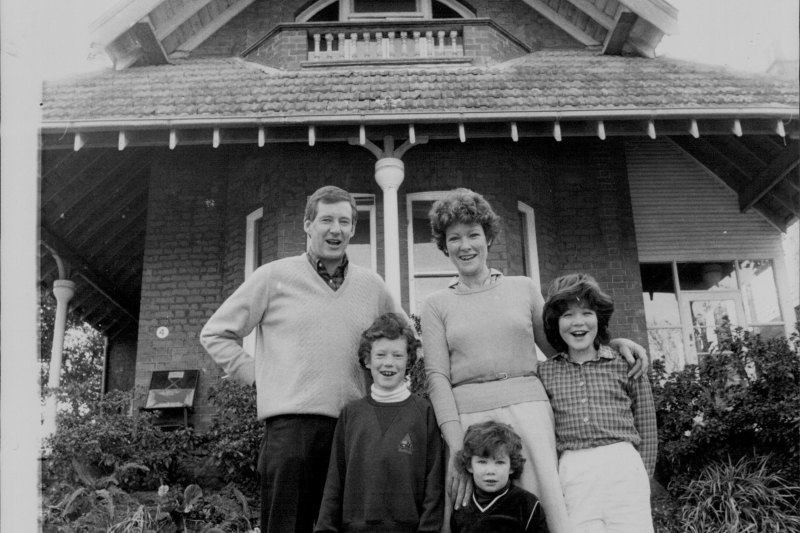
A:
(545, 80)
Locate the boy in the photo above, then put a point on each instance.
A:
(605, 421)
(492, 455)
(386, 470)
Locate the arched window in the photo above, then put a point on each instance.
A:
(354, 10)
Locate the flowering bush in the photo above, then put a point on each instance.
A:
(742, 400)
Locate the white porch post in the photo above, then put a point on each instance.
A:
(389, 173)
(63, 289)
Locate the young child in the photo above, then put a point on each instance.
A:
(386, 470)
(605, 421)
(492, 455)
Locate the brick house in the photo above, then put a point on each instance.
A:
(167, 179)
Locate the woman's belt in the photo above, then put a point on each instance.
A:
(499, 376)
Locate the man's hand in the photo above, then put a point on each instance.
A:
(634, 354)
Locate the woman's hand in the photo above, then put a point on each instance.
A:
(634, 354)
(458, 484)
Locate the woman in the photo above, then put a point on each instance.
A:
(480, 357)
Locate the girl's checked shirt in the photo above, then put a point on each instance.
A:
(595, 403)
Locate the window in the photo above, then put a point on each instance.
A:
(530, 251)
(428, 268)
(345, 10)
(362, 250)
(527, 228)
(691, 307)
(253, 258)
(253, 254)
(384, 9)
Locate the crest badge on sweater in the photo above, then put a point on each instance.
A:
(406, 445)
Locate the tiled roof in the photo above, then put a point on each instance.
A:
(231, 88)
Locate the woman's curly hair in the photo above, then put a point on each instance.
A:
(584, 290)
(489, 439)
(466, 207)
(389, 326)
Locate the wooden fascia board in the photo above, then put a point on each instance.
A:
(618, 35)
(119, 19)
(657, 12)
(81, 266)
(152, 51)
(182, 15)
(210, 29)
(785, 200)
(550, 14)
(778, 168)
(598, 15)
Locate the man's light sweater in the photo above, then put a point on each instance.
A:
(307, 336)
(479, 347)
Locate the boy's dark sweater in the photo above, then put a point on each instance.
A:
(385, 477)
(517, 511)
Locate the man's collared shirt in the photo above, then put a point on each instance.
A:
(595, 403)
(334, 280)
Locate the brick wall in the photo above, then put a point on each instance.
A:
(199, 200)
(485, 45)
(524, 23)
(285, 49)
(255, 21)
(595, 225)
(515, 16)
(183, 264)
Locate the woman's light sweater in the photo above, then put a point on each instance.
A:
(307, 336)
(479, 347)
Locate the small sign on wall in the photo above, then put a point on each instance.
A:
(171, 389)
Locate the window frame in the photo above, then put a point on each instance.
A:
(251, 248)
(684, 296)
(425, 6)
(530, 246)
(428, 196)
(347, 12)
(365, 203)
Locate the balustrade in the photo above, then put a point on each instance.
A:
(385, 45)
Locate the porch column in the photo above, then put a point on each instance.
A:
(63, 289)
(389, 173)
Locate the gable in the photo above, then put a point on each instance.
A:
(149, 32)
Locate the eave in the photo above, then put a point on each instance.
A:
(151, 32)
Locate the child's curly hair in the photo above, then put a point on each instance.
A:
(389, 326)
(584, 290)
(466, 207)
(488, 439)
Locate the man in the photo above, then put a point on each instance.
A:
(308, 313)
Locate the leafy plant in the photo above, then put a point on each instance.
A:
(108, 446)
(82, 367)
(743, 399)
(234, 440)
(741, 496)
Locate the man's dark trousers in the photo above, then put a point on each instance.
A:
(293, 464)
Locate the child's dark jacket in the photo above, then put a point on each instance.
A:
(517, 511)
(385, 482)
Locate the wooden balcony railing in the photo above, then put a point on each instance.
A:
(372, 44)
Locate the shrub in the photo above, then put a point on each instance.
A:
(107, 446)
(234, 440)
(742, 400)
(740, 497)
